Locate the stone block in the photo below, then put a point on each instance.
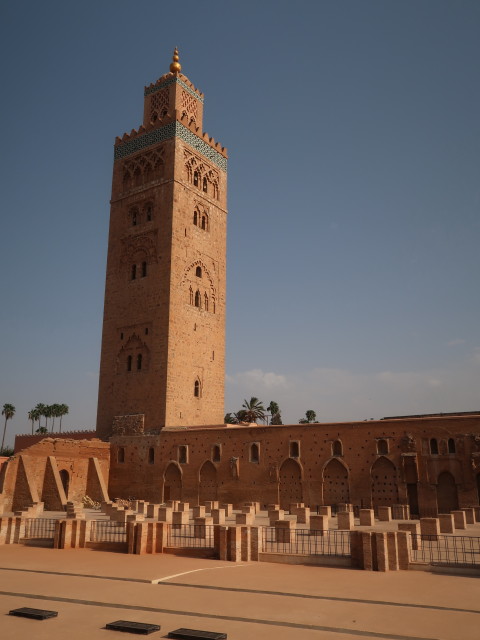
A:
(345, 520)
(429, 528)
(165, 514)
(325, 510)
(152, 511)
(285, 531)
(319, 523)
(248, 509)
(199, 512)
(367, 517)
(459, 519)
(180, 517)
(469, 515)
(228, 508)
(303, 515)
(200, 526)
(218, 516)
(385, 514)
(183, 506)
(274, 515)
(414, 529)
(244, 518)
(446, 523)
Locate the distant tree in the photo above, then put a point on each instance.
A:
(275, 412)
(54, 413)
(64, 409)
(254, 410)
(276, 418)
(8, 411)
(42, 430)
(310, 416)
(230, 419)
(240, 416)
(32, 417)
(40, 408)
(7, 452)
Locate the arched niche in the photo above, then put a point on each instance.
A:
(172, 483)
(384, 483)
(290, 483)
(335, 483)
(208, 488)
(447, 494)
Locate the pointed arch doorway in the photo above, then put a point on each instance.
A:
(208, 489)
(172, 483)
(384, 483)
(335, 483)
(447, 494)
(290, 483)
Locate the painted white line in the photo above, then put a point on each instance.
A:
(176, 575)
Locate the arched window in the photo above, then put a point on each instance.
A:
(198, 272)
(216, 453)
(205, 302)
(121, 454)
(144, 269)
(204, 223)
(129, 363)
(337, 449)
(148, 212)
(196, 389)
(196, 178)
(254, 453)
(139, 361)
(294, 450)
(151, 455)
(134, 218)
(434, 446)
(134, 271)
(198, 299)
(205, 185)
(451, 446)
(195, 218)
(191, 295)
(182, 454)
(382, 447)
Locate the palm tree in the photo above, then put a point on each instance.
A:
(230, 419)
(54, 413)
(40, 408)
(310, 416)
(8, 411)
(254, 410)
(274, 412)
(32, 416)
(42, 430)
(64, 409)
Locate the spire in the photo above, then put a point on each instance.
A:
(175, 67)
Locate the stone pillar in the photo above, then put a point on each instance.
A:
(367, 517)
(273, 507)
(385, 514)
(319, 523)
(381, 551)
(234, 544)
(412, 528)
(160, 529)
(183, 506)
(221, 540)
(199, 512)
(367, 550)
(430, 528)
(303, 515)
(248, 509)
(459, 519)
(244, 518)
(285, 531)
(245, 543)
(218, 516)
(345, 520)
(255, 543)
(165, 514)
(228, 507)
(274, 515)
(446, 523)
(469, 515)
(392, 550)
(179, 518)
(152, 511)
(399, 512)
(200, 526)
(325, 510)
(403, 546)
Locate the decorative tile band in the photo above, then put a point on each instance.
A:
(174, 129)
(179, 81)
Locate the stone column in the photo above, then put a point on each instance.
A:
(367, 517)
(469, 515)
(346, 520)
(285, 531)
(430, 528)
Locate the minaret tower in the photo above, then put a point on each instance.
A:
(163, 343)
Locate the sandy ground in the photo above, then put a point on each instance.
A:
(248, 600)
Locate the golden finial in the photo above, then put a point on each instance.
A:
(175, 67)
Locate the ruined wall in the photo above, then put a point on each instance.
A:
(366, 463)
(25, 440)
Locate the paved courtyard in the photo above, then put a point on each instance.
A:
(255, 600)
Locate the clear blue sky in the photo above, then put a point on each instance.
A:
(353, 130)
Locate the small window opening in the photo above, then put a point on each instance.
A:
(382, 447)
(196, 389)
(139, 361)
(134, 271)
(294, 450)
(134, 219)
(337, 449)
(434, 446)
(204, 223)
(121, 454)
(196, 178)
(182, 454)
(254, 453)
(216, 453)
(451, 446)
(129, 363)
(149, 213)
(205, 185)
(121, 336)
(205, 302)
(195, 218)
(198, 299)
(146, 331)
(198, 272)
(144, 269)
(151, 455)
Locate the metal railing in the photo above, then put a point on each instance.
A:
(108, 531)
(190, 535)
(305, 542)
(446, 550)
(40, 528)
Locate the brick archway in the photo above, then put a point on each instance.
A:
(172, 484)
(290, 483)
(208, 489)
(447, 494)
(335, 483)
(384, 483)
